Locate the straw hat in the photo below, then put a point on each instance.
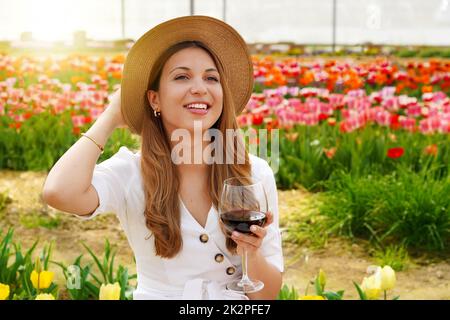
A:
(219, 37)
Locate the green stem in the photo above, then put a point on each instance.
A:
(384, 294)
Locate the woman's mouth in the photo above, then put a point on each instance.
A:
(197, 108)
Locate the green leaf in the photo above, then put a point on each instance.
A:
(96, 279)
(362, 295)
(332, 295)
(97, 262)
(93, 290)
(48, 254)
(318, 287)
(111, 268)
(107, 252)
(287, 294)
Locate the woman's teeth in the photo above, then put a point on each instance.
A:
(197, 106)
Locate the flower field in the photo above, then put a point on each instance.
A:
(368, 139)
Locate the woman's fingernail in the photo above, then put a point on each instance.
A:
(235, 234)
(252, 228)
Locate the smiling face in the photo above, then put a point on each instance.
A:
(189, 90)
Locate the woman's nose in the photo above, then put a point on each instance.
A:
(198, 87)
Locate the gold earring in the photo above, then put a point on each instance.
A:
(157, 113)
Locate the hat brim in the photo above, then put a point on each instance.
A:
(224, 41)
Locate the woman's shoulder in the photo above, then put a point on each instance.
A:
(129, 153)
(124, 158)
(121, 169)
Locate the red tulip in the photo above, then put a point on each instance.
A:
(272, 124)
(291, 136)
(343, 127)
(431, 150)
(331, 121)
(76, 130)
(15, 125)
(395, 153)
(257, 119)
(87, 119)
(395, 125)
(27, 115)
(329, 153)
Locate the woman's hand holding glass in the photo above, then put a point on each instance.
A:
(252, 242)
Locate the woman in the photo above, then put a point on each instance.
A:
(185, 74)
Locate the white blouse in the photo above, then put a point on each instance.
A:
(194, 273)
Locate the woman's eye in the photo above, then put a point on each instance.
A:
(184, 77)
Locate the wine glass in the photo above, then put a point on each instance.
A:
(243, 203)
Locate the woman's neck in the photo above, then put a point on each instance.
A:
(188, 152)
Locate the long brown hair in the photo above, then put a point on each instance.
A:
(160, 178)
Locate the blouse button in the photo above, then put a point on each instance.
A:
(218, 257)
(204, 238)
(231, 270)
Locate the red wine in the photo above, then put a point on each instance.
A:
(242, 220)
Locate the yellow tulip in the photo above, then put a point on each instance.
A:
(4, 291)
(311, 298)
(45, 296)
(45, 279)
(38, 265)
(372, 286)
(387, 278)
(322, 279)
(110, 291)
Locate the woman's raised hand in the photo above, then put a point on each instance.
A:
(114, 110)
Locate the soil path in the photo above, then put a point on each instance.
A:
(342, 261)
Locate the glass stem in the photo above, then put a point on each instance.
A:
(245, 279)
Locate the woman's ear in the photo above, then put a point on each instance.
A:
(153, 100)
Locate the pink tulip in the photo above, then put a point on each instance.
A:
(375, 97)
(282, 91)
(444, 126)
(391, 104)
(387, 92)
(244, 120)
(407, 123)
(326, 108)
(425, 126)
(428, 96)
(274, 101)
(294, 103)
(312, 104)
(383, 118)
(356, 93)
(252, 104)
(405, 101)
(310, 119)
(78, 120)
(336, 100)
(413, 110)
(294, 91)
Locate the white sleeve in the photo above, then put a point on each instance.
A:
(110, 180)
(271, 247)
